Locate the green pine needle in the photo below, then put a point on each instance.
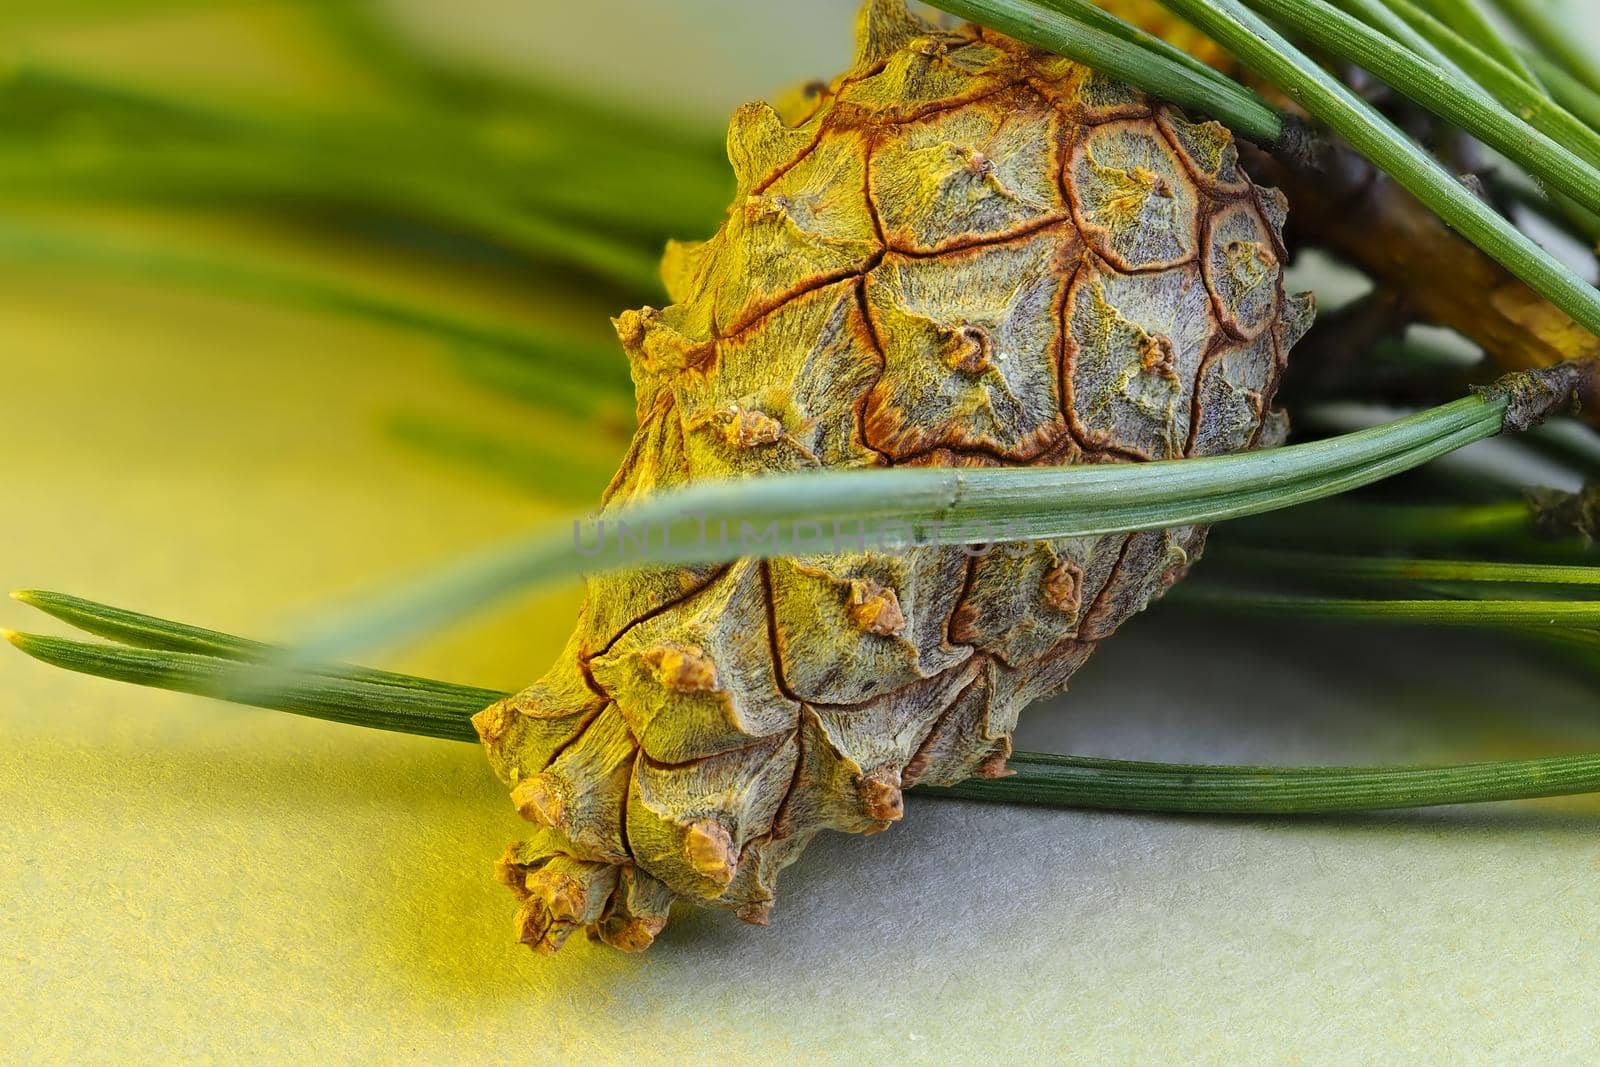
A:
(799, 514)
(1080, 782)
(174, 656)
(1540, 25)
(149, 632)
(1270, 55)
(1380, 15)
(1494, 614)
(565, 194)
(327, 694)
(1384, 527)
(1468, 18)
(1505, 84)
(552, 471)
(1457, 100)
(1379, 568)
(585, 367)
(1567, 91)
(1087, 12)
(239, 175)
(1094, 38)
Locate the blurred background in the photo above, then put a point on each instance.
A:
(299, 297)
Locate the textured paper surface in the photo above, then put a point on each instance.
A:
(184, 879)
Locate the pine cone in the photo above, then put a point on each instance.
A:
(962, 252)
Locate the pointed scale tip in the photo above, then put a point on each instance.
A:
(884, 26)
(881, 796)
(757, 913)
(631, 934)
(537, 800)
(709, 848)
(539, 929)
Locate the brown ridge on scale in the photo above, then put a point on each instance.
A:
(961, 252)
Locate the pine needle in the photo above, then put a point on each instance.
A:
(805, 513)
(1270, 55)
(1468, 18)
(1378, 568)
(1558, 42)
(1457, 100)
(1494, 614)
(591, 371)
(1068, 29)
(1518, 94)
(424, 707)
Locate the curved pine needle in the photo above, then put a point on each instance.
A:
(806, 513)
(138, 630)
(430, 708)
(331, 694)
